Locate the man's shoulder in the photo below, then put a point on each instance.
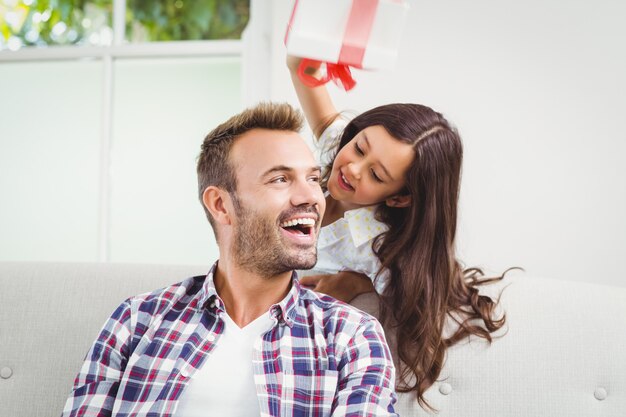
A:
(162, 299)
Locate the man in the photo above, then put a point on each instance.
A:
(246, 339)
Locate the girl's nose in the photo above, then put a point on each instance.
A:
(355, 170)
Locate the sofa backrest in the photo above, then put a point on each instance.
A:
(563, 354)
(50, 313)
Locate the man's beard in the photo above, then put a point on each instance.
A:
(259, 248)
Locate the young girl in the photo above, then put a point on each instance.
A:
(392, 192)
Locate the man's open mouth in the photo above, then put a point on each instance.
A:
(299, 226)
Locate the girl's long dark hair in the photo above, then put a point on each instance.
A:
(427, 285)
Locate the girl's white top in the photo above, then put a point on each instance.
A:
(346, 244)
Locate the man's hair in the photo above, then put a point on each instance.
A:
(214, 166)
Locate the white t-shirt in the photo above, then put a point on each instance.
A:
(224, 386)
(346, 244)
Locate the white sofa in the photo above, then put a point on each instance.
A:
(564, 352)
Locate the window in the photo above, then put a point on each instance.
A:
(104, 107)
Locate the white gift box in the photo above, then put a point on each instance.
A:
(360, 33)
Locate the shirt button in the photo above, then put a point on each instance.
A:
(445, 388)
(184, 372)
(600, 394)
(6, 372)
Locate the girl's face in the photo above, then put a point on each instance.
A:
(370, 168)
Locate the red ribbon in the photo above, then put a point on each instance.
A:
(338, 73)
(358, 28)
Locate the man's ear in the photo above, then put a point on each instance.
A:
(399, 201)
(215, 200)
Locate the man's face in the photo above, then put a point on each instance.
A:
(279, 203)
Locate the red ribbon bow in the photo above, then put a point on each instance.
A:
(339, 74)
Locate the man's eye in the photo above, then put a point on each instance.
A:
(315, 178)
(376, 177)
(278, 180)
(358, 149)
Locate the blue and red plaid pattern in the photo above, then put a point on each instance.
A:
(321, 357)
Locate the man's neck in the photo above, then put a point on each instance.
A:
(247, 295)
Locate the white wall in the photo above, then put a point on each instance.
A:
(537, 90)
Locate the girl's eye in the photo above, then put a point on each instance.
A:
(376, 177)
(358, 149)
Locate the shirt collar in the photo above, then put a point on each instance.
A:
(363, 224)
(284, 311)
(208, 295)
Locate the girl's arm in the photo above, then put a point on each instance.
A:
(318, 108)
(344, 285)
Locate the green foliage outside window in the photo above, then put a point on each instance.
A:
(186, 19)
(67, 22)
(50, 22)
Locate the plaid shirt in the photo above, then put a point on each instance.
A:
(320, 358)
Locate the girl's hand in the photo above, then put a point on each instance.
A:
(293, 62)
(343, 286)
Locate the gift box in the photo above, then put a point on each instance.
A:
(358, 33)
